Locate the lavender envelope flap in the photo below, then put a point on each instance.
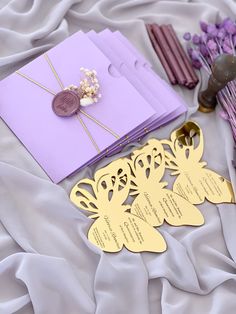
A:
(160, 89)
(62, 145)
(139, 57)
(130, 58)
(166, 94)
(121, 65)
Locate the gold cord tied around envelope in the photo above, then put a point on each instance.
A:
(69, 100)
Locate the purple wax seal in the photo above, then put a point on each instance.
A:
(66, 103)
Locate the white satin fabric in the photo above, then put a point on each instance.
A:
(47, 266)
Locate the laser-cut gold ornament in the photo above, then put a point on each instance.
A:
(154, 203)
(114, 227)
(194, 182)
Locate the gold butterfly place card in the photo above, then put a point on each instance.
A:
(194, 182)
(154, 202)
(114, 226)
(118, 224)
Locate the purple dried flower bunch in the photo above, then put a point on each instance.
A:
(203, 49)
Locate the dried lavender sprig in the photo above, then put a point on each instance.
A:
(219, 46)
(229, 107)
(216, 39)
(206, 64)
(232, 86)
(232, 45)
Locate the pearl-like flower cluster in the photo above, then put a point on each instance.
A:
(88, 90)
(89, 85)
(76, 89)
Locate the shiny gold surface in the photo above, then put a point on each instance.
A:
(114, 226)
(154, 202)
(194, 182)
(118, 224)
(204, 109)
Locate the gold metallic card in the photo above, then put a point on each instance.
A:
(154, 202)
(114, 226)
(119, 224)
(194, 182)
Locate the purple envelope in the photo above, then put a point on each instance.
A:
(171, 101)
(133, 78)
(138, 70)
(64, 145)
(122, 65)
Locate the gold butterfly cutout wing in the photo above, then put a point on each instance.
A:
(154, 203)
(114, 227)
(194, 182)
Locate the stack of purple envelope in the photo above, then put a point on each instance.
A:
(134, 101)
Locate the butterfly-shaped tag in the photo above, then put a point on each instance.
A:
(114, 226)
(194, 182)
(154, 203)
